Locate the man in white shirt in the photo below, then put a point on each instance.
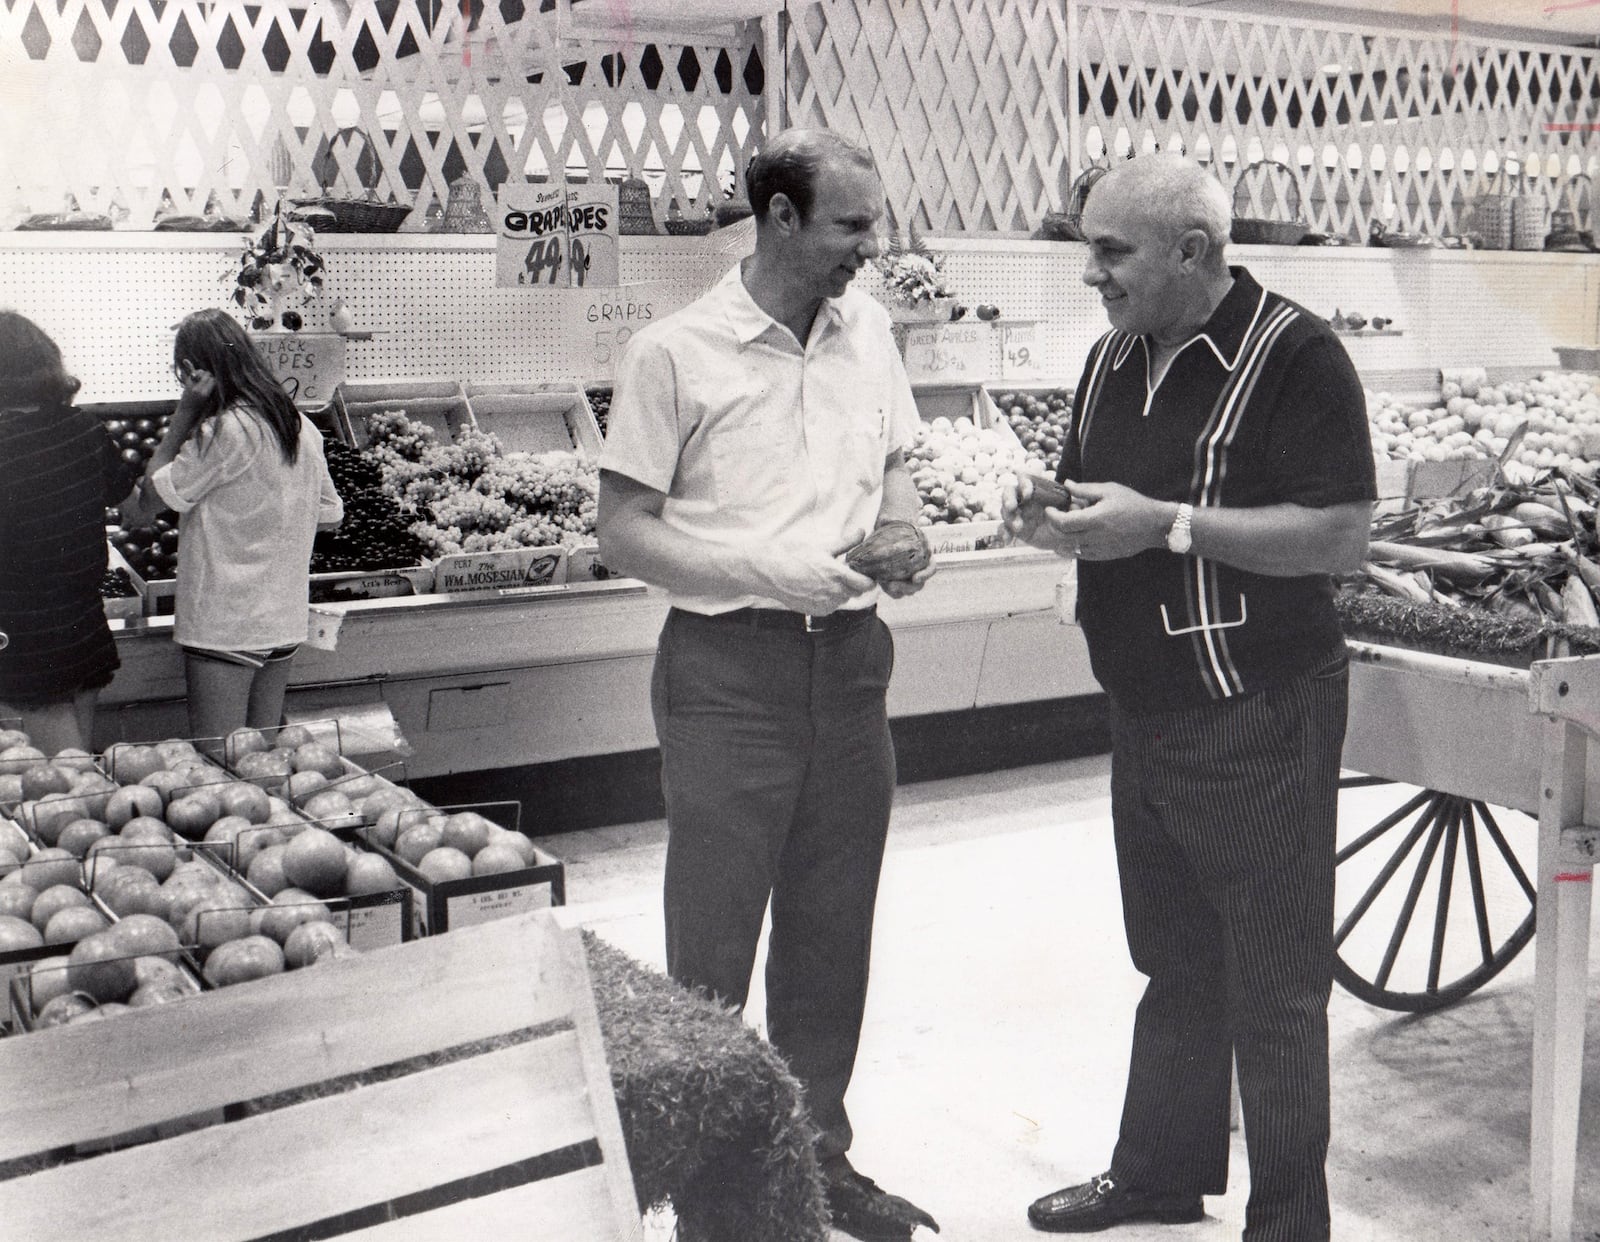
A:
(754, 436)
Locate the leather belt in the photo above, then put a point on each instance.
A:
(790, 622)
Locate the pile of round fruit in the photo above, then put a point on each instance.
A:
(960, 468)
(470, 496)
(151, 551)
(1040, 420)
(375, 533)
(600, 403)
(1560, 411)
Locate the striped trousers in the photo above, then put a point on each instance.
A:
(1224, 819)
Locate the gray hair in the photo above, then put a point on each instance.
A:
(1178, 195)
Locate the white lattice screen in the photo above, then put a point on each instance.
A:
(138, 107)
(981, 111)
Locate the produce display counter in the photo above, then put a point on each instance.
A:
(532, 675)
(1482, 735)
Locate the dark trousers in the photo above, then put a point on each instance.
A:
(1224, 821)
(778, 772)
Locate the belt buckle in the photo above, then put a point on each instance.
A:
(811, 628)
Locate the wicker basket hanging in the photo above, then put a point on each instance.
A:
(1068, 225)
(353, 215)
(1258, 231)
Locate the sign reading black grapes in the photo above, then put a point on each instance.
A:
(310, 365)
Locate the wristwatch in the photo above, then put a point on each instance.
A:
(1180, 538)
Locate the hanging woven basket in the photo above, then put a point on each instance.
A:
(1259, 231)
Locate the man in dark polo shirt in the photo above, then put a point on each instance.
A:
(1219, 471)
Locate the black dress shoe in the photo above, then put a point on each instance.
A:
(861, 1208)
(1102, 1203)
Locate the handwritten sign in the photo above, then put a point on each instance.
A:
(950, 353)
(310, 365)
(1021, 351)
(557, 237)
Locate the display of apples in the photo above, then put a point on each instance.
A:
(959, 469)
(1557, 413)
(450, 845)
(1040, 420)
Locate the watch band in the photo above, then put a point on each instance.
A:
(1180, 537)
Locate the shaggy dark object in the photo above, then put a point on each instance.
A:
(712, 1116)
(1467, 633)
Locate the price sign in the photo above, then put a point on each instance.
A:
(949, 353)
(1021, 353)
(309, 365)
(557, 237)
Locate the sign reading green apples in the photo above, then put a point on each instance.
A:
(561, 237)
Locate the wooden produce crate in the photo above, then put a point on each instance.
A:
(439, 404)
(493, 1117)
(536, 418)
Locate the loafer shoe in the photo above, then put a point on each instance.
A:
(862, 1209)
(1102, 1203)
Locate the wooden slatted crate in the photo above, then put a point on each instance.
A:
(450, 1087)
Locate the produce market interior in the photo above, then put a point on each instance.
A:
(439, 227)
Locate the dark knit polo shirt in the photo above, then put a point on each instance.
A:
(1261, 407)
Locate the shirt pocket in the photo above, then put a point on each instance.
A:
(753, 461)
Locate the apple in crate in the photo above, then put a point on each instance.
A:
(62, 1010)
(313, 942)
(131, 764)
(74, 923)
(18, 934)
(239, 961)
(317, 757)
(132, 801)
(19, 758)
(97, 965)
(290, 909)
(45, 778)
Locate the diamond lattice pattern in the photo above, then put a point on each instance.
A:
(980, 112)
(138, 108)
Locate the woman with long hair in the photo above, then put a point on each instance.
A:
(245, 471)
(58, 472)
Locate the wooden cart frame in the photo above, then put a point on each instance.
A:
(449, 1087)
(1474, 736)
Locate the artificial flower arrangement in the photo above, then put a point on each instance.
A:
(912, 274)
(278, 268)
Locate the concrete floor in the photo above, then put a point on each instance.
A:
(995, 1053)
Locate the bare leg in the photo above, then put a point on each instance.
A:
(83, 707)
(50, 728)
(219, 695)
(266, 695)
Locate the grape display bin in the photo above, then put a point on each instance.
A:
(1433, 899)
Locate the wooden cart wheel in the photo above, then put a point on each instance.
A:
(1431, 901)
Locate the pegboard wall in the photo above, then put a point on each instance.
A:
(111, 301)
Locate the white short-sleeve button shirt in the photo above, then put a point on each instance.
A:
(752, 436)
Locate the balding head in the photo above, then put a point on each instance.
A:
(1172, 195)
(789, 164)
(1156, 228)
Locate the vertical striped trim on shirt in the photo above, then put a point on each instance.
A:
(1207, 609)
(1101, 358)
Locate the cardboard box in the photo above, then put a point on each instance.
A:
(584, 565)
(517, 569)
(438, 907)
(334, 588)
(1425, 480)
(947, 537)
(439, 404)
(536, 418)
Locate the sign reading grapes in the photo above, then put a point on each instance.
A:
(561, 237)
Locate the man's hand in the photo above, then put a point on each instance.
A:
(902, 587)
(808, 578)
(1109, 521)
(1025, 516)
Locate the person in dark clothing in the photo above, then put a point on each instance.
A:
(1219, 471)
(58, 473)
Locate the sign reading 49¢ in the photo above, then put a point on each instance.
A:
(557, 237)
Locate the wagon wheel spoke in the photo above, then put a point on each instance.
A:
(1440, 913)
